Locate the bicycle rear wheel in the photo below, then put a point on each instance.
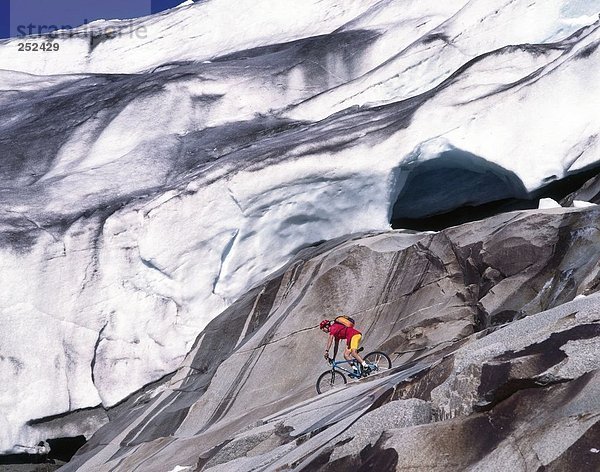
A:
(329, 380)
(380, 360)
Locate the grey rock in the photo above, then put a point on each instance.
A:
(534, 429)
(392, 415)
(252, 444)
(543, 348)
(246, 400)
(535, 426)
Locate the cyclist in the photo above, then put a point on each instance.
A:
(338, 331)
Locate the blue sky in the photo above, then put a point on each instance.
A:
(24, 16)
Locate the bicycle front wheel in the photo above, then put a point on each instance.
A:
(379, 360)
(329, 380)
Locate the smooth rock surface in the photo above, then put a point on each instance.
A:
(239, 400)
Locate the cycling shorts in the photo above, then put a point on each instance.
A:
(354, 341)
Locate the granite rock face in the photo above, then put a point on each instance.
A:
(493, 327)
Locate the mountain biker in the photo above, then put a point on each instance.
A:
(338, 331)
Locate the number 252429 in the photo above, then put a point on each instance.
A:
(48, 47)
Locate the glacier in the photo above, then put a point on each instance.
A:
(148, 183)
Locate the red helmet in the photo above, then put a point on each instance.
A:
(325, 324)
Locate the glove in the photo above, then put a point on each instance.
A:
(326, 356)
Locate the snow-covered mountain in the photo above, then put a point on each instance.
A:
(154, 171)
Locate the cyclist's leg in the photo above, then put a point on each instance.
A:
(354, 345)
(348, 354)
(353, 363)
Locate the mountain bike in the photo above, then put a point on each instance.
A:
(377, 361)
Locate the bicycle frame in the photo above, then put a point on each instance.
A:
(351, 373)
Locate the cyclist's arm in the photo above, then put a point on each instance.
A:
(329, 342)
(335, 349)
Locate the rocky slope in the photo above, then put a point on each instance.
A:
(493, 327)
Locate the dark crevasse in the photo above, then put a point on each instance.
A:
(459, 187)
(60, 451)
